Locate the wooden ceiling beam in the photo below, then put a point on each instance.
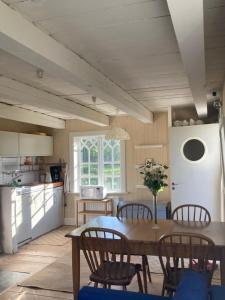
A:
(23, 39)
(31, 117)
(25, 94)
(188, 23)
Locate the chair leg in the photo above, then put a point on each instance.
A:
(124, 287)
(96, 284)
(148, 269)
(105, 286)
(139, 282)
(163, 291)
(109, 286)
(144, 274)
(163, 288)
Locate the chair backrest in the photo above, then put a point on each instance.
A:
(186, 251)
(102, 246)
(134, 211)
(191, 212)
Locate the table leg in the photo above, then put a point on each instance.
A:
(77, 207)
(84, 216)
(106, 209)
(222, 267)
(76, 267)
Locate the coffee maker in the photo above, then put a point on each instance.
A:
(56, 173)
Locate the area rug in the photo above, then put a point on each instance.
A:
(58, 275)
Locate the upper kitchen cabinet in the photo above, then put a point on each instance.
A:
(35, 145)
(9, 143)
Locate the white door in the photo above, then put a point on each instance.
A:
(195, 167)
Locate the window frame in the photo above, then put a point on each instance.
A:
(74, 160)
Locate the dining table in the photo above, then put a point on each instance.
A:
(143, 238)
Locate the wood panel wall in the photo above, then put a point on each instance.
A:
(141, 134)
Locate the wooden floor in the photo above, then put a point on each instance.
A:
(38, 254)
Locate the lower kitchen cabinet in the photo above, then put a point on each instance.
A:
(22, 218)
(27, 213)
(46, 210)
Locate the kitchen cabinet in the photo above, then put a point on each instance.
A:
(35, 145)
(29, 212)
(46, 210)
(22, 217)
(37, 212)
(23, 144)
(9, 144)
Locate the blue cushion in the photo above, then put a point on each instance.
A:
(193, 286)
(217, 292)
(90, 293)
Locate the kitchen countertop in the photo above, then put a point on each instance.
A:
(46, 185)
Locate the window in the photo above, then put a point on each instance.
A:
(193, 150)
(96, 161)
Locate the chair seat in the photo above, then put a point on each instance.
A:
(217, 292)
(115, 274)
(90, 293)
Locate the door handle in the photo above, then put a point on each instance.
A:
(173, 184)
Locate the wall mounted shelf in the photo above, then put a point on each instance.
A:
(148, 146)
(141, 186)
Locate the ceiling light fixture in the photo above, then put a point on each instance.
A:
(40, 73)
(117, 133)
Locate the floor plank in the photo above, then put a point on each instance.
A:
(33, 257)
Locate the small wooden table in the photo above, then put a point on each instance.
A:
(107, 208)
(143, 239)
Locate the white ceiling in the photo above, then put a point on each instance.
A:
(132, 42)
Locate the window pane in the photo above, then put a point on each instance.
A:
(116, 170)
(84, 169)
(116, 184)
(89, 144)
(112, 142)
(116, 153)
(94, 154)
(84, 181)
(94, 169)
(108, 183)
(100, 162)
(107, 169)
(107, 153)
(84, 152)
(94, 181)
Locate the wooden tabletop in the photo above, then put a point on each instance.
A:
(141, 231)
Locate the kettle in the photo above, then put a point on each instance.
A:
(48, 177)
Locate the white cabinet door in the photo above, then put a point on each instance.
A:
(49, 209)
(37, 213)
(53, 208)
(23, 218)
(59, 207)
(35, 145)
(9, 143)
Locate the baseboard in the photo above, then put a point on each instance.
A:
(69, 221)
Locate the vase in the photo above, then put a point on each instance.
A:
(155, 226)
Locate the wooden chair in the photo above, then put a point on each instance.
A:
(135, 212)
(98, 244)
(191, 212)
(174, 248)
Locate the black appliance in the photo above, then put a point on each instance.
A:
(56, 173)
